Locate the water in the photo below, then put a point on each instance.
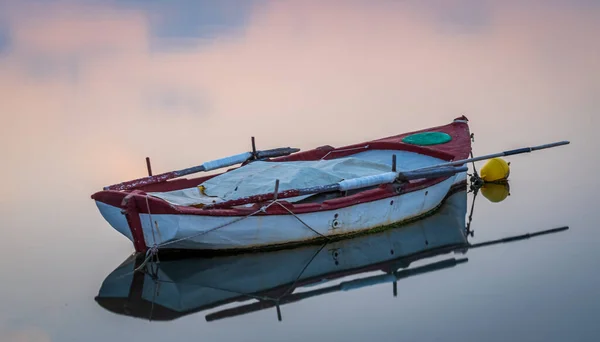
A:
(91, 88)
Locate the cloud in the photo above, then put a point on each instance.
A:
(185, 23)
(4, 38)
(459, 16)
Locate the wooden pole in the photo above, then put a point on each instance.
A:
(276, 190)
(494, 155)
(149, 167)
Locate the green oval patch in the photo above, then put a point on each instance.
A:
(427, 138)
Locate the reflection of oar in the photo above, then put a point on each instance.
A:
(388, 278)
(345, 185)
(495, 155)
(344, 286)
(207, 166)
(518, 237)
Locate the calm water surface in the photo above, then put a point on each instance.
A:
(90, 88)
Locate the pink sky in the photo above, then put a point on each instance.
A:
(300, 74)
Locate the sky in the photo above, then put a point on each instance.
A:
(107, 83)
(90, 88)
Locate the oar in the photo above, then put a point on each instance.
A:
(207, 166)
(345, 185)
(439, 170)
(495, 155)
(518, 237)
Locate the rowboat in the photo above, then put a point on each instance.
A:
(321, 194)
(233, 285)
(282, 198)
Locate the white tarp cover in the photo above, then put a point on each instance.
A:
(259, 178)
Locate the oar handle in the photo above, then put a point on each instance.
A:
(206, 166)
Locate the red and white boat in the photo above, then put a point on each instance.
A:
(321, 194)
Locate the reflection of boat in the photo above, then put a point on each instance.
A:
(322, 193)
(181, 286)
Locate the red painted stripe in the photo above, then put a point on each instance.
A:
(132, 215)
(137, 183)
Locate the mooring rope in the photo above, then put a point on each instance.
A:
(293, 286)
(150, 218)
(299, 219)
(262, 209)
(154, 294)
(153, 251)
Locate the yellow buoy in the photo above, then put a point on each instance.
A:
(496, 169)
(495, 192)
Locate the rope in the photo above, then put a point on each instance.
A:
(153, 273)
(299, 219)
(293, 286)
(156, 282)
(152, 251)
(150, 218)
(263, 209)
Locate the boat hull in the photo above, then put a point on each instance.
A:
(172, 231)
